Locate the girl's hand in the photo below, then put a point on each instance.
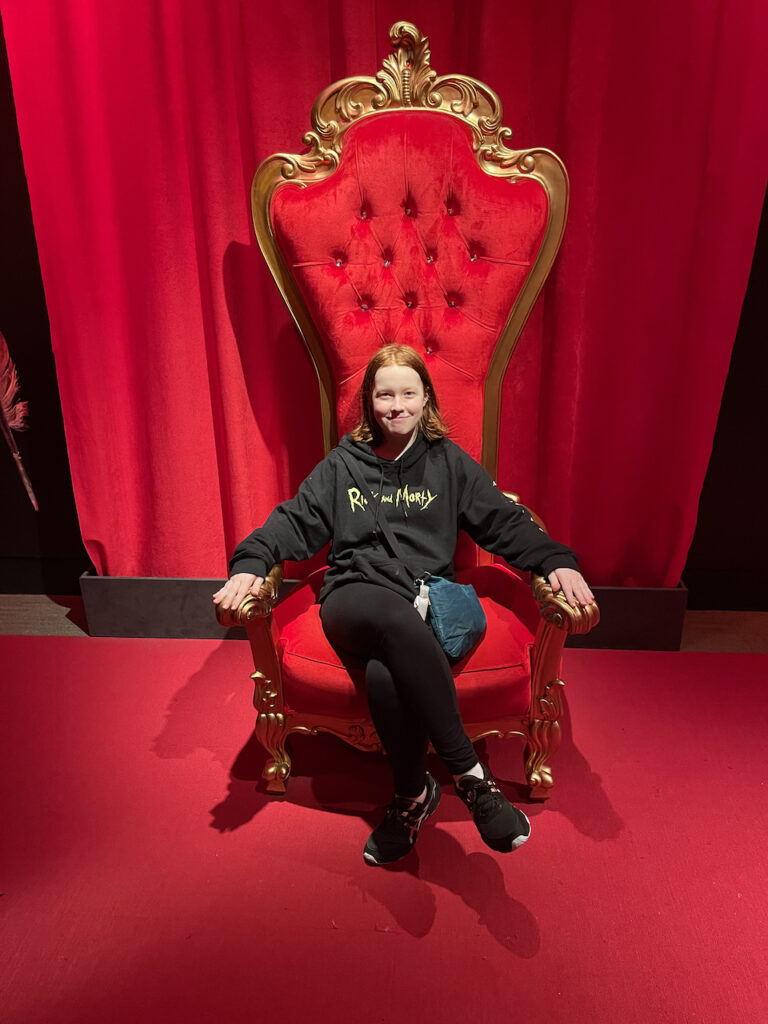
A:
(573, 585)
(237, 588)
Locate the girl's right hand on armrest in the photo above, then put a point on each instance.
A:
(237, 588)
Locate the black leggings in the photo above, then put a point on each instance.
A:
(410, 688)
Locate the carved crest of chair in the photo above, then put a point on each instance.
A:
(408, 220)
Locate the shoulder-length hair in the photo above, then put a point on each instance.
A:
(432, 425)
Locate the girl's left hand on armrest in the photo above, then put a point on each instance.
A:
(573, 585)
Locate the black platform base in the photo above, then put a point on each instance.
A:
(631, 618)
(637, 619)
(148, 606)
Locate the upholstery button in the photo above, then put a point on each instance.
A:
(363, 214)
(428, 350)
(364, 306)
(408, 211)
(430, 258)
(473, 257)
(339, 261)
(386, 263)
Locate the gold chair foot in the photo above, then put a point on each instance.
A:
(538, 775)
(272, 734)
(275, 784)
(538, 791)
(276, 773)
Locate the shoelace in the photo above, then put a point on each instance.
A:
(406, 814)
(483, 797)
(407, 810)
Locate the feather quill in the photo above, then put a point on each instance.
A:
(13, 413)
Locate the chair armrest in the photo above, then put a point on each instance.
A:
(254, 607)
(556, 610)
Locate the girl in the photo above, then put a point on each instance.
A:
(427, 488)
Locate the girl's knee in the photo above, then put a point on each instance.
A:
(398, 618)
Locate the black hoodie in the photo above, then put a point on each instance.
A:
(433, 490)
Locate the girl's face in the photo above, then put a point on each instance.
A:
(398, 401)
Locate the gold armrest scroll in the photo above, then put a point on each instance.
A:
(556, 610)
(254, 607)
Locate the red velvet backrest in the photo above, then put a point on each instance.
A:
(410, 241)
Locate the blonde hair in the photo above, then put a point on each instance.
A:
(432, 424)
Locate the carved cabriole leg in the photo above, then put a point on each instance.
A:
(271, 726)
(255, 613)
(544, 740)
(271, 733)
(546, 708)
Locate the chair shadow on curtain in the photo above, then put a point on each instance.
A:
(275, 354)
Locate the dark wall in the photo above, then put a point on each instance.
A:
(39, 551)
(42, 552)
(728, 560)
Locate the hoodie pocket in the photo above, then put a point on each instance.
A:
(381, 569)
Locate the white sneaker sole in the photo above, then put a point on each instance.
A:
(517, 843)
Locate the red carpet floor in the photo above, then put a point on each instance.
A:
(145, 879)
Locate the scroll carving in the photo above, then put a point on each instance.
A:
(550, 703)
(361, 734)
(254, 607)
(266, 697)
(406, 74)
(556, 610)
(406, 79)
(270, 732)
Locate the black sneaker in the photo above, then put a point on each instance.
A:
(501, 825)
(399, 830)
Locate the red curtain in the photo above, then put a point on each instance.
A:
(189, 403)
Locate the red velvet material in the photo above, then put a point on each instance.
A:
(410, 241)
(189, 403)
(492, 681)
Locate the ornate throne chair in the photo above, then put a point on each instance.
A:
(409, 220)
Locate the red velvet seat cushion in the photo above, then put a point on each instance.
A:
(492, 681)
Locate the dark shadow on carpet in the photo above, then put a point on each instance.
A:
(330, 775)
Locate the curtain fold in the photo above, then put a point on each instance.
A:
(190, 405)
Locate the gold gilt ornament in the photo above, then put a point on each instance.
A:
(407, 80)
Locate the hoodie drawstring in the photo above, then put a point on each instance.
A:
(404, 504)
(378, 502)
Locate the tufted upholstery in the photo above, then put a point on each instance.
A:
(410, 241)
